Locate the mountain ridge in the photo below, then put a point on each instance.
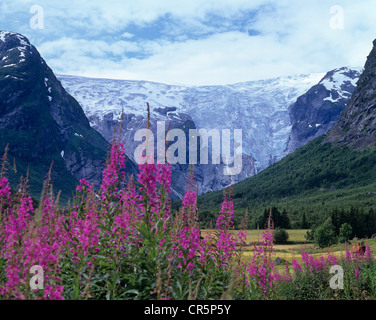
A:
(356, 126)
(316, 111)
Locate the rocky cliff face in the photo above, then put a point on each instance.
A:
(356, 126)
(208, 177)
(41, 122)
(316, 111)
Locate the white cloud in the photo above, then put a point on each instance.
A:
(92, 38)
(83, 47)
(127, 35)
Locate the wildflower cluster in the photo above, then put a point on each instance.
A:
(310, 278)
(123, 241)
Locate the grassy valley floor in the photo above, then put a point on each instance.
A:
(295, 246)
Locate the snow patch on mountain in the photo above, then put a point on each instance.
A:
(338, 81)
(3, 35)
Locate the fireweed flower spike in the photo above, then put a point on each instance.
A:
(111, 174)
(226, 243)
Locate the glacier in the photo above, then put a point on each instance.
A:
(258, 108)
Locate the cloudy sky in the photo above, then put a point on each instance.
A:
(194, 41)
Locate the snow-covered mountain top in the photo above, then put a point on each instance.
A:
(339, 80)
(340, 76)
(23, 41)
(4, 34)
(259, 108)
(99, 96)
(14, 47)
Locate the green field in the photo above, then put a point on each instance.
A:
(294, 247)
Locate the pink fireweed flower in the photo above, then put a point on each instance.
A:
(39, 244)
(278, 277)
(122, 227)
(368, 254)
(226, 243)
(84, 185)
(206, 249)
(296, 266)
(331, 258)
(226, 215)
(188, 210)
(187, 238)
(84, 236)
(132, 211)
(147, 179)
(111, 174)
(17, 224)
(163, 176)
(242, 236)
(226, 248)
(261, 268)
(252, 269)
(16, 227)
(287, 270)
(241, 275)
(265, 249)
(5, 191)
(189, 242)
(51, 293)
(242, 233)
(348, 255)
(310, 263)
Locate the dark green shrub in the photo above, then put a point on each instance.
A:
(280, 235)
(345, 232)
(325, 234)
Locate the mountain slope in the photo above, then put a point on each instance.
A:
(357, 125)
(42, 123)
(316, 111)
(330, 171)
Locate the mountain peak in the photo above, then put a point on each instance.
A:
(19, 59)
(21, 39)
(316, 111)
(356, 126)
(10, 41)
(41, 122)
